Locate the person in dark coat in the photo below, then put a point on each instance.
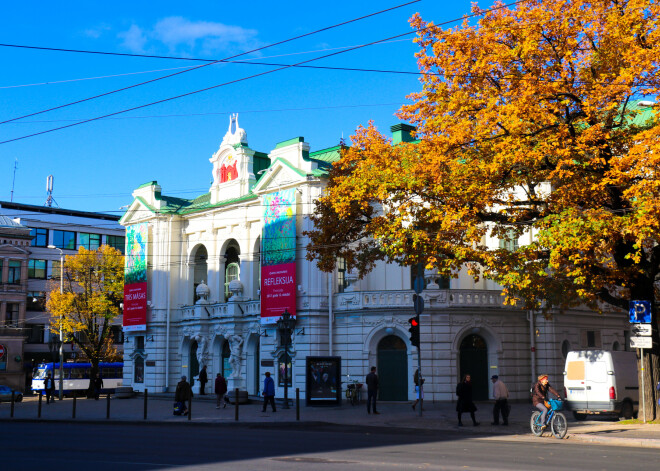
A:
(49, 388)
(183, 394)
(203, 379)
(372, 390)
(220, 391)
(98, 385)
(269, 392)
(465, 404)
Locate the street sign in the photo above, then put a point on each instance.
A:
(640, 312)
(2, 351)
(418, 303)
(418, 284)
(640, 330)
(641, 342)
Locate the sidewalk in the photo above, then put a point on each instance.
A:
(395, 417)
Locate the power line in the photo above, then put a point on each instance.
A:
(480, 13)
(213, 62)
(183, 115)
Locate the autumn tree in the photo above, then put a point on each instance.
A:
(537, 123)
(89, 302)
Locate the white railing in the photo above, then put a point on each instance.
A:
(215, 310)
(403, 299)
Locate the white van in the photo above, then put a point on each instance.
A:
(601, 382)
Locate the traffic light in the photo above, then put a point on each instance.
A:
(414, 331)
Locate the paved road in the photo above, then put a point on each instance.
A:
(100, 447)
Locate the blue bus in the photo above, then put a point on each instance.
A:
(76, 376)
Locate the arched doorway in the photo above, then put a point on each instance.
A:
(474, 361)
(194, 364)
(392, 369)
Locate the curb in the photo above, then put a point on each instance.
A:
(621, 441)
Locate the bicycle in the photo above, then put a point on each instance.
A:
(554, 418)
(353, 393)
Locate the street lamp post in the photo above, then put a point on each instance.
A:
(285, 326)
(61, 385)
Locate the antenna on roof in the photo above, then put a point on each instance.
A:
(49, 192)
(14, 180)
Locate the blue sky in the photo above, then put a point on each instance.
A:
(97, 165)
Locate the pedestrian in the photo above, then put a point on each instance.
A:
(501, 396)
(98, 385)
(49, 387)
(419, 391)
(269, 392)
(220, 391)
(183, 394)
(465, 404)
(372, 390)
(203, 379)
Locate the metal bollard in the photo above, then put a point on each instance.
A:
(107, 406)
(236, 405)
(13, 400)
(297, 403)
(39, 408)
(74, 406)
(146, 396)
(190, 408)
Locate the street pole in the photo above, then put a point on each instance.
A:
(61, 385)
(420, 380)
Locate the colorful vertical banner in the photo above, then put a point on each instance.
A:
(278, 249)
(135, 278)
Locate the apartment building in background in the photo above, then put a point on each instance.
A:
(65, 230)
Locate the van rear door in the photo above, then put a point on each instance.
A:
(597, 384)
(574, 381)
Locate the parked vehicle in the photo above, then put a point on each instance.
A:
(5, 394)
(601, 382)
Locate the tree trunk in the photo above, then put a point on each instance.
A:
(649, 367)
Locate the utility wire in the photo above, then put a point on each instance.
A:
(480, 13)
(213, 62)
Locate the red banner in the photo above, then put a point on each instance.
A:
(278, 291)
(135, 306)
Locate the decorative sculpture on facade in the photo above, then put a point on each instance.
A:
(202, 350)
(235, 347)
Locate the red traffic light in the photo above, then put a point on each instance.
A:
(414, 322)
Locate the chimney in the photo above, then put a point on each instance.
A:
(401, 133)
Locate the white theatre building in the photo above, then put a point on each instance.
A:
(204, 296)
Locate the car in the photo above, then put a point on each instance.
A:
(5, 394)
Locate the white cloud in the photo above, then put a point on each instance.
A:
(183, 36)
(97, 31)
(134, 39)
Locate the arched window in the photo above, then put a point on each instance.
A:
(200, 267)
(232, 269)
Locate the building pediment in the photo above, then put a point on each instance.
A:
(281, 174)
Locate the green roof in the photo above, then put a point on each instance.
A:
(289, 142)
(329, 155)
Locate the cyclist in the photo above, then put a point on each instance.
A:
(540, 396)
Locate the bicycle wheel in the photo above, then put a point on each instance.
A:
(559, 426)
(535, 424)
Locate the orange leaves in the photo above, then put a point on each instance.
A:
(531, 124)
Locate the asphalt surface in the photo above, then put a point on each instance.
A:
(395, 419)
(31, 445)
